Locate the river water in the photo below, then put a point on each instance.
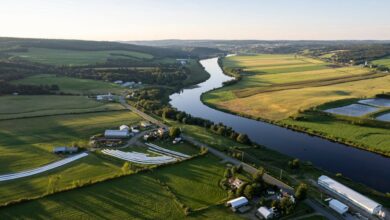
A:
(361, 166)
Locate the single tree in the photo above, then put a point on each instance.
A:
(174, 132)
(301, 191)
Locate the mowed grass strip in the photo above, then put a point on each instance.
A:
(77, 58)
(138, 196)
(72, 85)
(31, 106)
(27, 143)
(385, 62)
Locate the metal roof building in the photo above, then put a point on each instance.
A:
(349, 194)
(338, 206)
(238, 202)
(116, 134)
(265, 212)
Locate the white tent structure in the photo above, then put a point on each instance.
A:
(237, 202)
(124, 128)
(349, 194)
(265, 212)
(338, 206)
(139, 158)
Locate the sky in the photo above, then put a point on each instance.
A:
(196, 19)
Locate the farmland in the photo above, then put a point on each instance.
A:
(385, 62)
(138, 196)
(273, 89)
(76, 58)
(72, 85)
(31, 106)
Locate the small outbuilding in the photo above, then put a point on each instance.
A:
(338, 206)
(124, 127)
(145, 124)
(237, 203)
(265, 213)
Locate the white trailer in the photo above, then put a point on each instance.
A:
(338, 206)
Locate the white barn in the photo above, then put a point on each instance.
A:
(338, 206)
(116, 134)
(349, 194)
(237, 202)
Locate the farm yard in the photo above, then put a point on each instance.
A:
(61, 57)
(71, 85)
(193, 183)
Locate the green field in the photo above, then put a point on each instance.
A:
(266, 92)
(384, 62)
(139, 196)
(77, 58)
(27, 143)
(72, 85)
(31, 106)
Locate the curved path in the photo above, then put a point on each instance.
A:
(42, 169)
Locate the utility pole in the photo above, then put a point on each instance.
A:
(281, 173)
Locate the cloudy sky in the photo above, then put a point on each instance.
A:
(196, 19)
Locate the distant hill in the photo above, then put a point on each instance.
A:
(20, 44)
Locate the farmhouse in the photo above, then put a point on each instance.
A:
(116, 134)
(63, 150)
(264, 212)
(162, 132)
(338, 206)
(235, 183)
(237, 203)
(350, 195)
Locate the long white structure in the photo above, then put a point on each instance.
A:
(139, 158)
(116, 134)
(349, 194)
(172, 153)
(338, 206)
(42, 169)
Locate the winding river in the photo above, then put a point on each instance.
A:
(361, 166)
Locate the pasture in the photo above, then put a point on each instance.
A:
(61, 57)
(384, 61)
(72, 85)
(27, 143)
(32, 106)
(267, 92)
(138, 196)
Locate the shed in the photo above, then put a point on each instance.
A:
(237, 202)
(338, 206)
(145, 124)
(124, 127)
(265, 212)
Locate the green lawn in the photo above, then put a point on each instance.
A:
(27, 143)
(72, 85)
(138, 196)
(77, 58)
(29, 106)
(184, 147)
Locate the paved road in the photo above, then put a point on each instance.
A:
(322, 210)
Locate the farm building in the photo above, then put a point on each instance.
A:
(124, 127)
(237, 203)
(107, 97)
(118, 82)
(235, 183)
(63, 150)
(162, 132)
(265, 213)
(145, 124)
(338, 206)
(352, 196)
(116, 134)
(129, 84)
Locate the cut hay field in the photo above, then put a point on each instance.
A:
(77, 58)
(272, 88)
(385, 62)
(32, 106)
(72, 85)
(138, 196)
